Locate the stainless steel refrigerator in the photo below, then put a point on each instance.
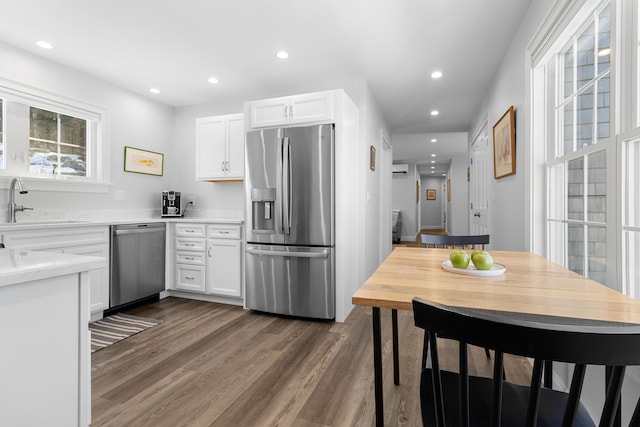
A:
(290, 233)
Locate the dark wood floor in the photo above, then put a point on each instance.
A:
(217, 365)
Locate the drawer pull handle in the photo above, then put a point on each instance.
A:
(189, 277)
(189, 244)
(223, 232)
(190, 231)
(189, 257)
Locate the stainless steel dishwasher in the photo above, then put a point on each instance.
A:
(137, 263)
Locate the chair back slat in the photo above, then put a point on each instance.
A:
(437, 241)
(541, 338)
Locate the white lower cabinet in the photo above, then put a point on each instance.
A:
(208, 259)
(224, 270)
(190, 261)
(93, 240)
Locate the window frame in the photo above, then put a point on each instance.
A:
(98, 153)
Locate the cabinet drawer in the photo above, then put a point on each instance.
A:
(190, 230)
(222, 231)
(196, 258)
(186, 244)
(190, 277)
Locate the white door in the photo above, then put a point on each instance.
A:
(235, 152)
(480, 179)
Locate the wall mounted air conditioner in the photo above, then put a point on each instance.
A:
(400, 169)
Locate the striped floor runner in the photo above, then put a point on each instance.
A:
(117, 327)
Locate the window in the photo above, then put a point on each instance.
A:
(56, 141)
(588, 112)
(577, 171)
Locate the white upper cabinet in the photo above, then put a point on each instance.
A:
(220, 147)
(307, 108)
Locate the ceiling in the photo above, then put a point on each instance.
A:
(176, 45)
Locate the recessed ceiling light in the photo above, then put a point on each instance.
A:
(154, 90)
(433, 171)
(282, 55)
(435, 113)
(44, 44)
(436, 74)
(433, 155)
(213, 80)
(433, 161)
(433, 167)
(434, 140)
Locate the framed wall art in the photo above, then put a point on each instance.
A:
(504, 145)
(143, 161)
(431, 194)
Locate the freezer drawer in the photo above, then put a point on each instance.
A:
(296, 281)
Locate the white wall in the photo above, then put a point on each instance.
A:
(133, 121)
(431, 210)
(403, 197)
(457, 208)
(509, 227)
(372, 123)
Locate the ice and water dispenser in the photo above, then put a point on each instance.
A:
(263, 202)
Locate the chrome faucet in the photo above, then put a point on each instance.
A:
(13, 208)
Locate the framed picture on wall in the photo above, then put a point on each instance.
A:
(504, 145)
(431, 194)
(143, 161)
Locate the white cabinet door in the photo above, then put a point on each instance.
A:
(210, 147)
(314, 107)
(310, 108)
(99, 279)
(269, 112)
(235, 146)
(220, 147)
(224, 275)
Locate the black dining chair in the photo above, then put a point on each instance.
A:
(440, 241)
(458, 399)
(452, 242)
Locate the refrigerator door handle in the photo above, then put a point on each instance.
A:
(289, 254)
(278, 205)
(286, 187)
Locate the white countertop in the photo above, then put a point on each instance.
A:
(19, 265)
(58, 223)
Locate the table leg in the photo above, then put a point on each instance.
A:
(548, 374)
(377, 366)
(396, 362)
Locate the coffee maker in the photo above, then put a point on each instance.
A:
(171, 203)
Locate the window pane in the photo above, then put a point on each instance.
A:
(603, 105)
(567, 117)
(57, 143)
(597, 254)
(567, 59)
(597, 187)
(632, 185)
(43, 125)
(73, 148)
(584, 118)
(575, 189)
(556, 242)
(604, 39)
(575, 248)
(585, 57)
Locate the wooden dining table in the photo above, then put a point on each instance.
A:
(530, 285)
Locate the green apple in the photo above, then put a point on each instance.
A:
(459, 258)
(482, 260)
(476, 251)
